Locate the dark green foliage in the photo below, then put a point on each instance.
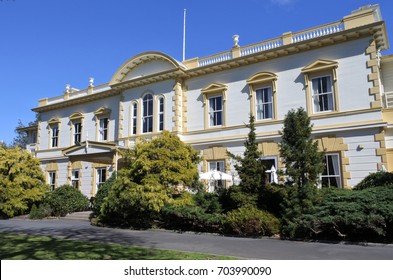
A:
(40, 212)
(376, 179)
(201, 212)
(250, 169)
(251, 221)
(102, 194)
(208, 201)
(303, 163)
(131, 205)
(351, 215)
(66, 199)
(190, 218)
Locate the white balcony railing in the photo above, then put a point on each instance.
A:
(317, 32)
(388, 98)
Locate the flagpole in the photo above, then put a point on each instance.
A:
(184, 35)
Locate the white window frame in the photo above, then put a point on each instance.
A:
(214, 112)
(260, 107)
(218, 165)
(55, 136)
(75, 178)
(104, 127)
(268, 174)
(328, 176)
(161, 110)
(101, 176)
(316, 96)
(147, 113)
(134, 118)
(52, 180)
(77, 132)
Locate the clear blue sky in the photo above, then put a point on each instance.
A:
(46, 44)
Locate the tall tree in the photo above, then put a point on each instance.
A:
(250, 169)
(22, 181)
(148, 179)
(304, 163)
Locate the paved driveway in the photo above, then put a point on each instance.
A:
(247, 248)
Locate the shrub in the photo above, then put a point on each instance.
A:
(66, 199)
(250, 221)
(102, 193)
(353, 215)
(22, 182)
(40, 212)
(376, 179)
(190, 218)
(131, 205)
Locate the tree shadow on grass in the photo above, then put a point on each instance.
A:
(30, 247)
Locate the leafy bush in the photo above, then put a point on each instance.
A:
(22, 182)
(102, 194)
(131, 205)
(190, 218)
(209, 202)
(40, 212)
(353, 215)
(250, 221)
(376, 179)
(66, 199)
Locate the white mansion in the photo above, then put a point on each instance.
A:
(334, 71)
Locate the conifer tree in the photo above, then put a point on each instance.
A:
(303, 165)
(250, 169)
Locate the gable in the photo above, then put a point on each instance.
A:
(143, 65)
(319, 65)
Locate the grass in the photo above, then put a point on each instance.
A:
(30, 247)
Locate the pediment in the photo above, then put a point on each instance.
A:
(76, 116)
(262, 77)
(54, 121)
(214, 87)
(89, 147)
(320, 65)
(103, 111)
(144, 65)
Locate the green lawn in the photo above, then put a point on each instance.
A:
(30, 247)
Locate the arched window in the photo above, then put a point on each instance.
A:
(147, 110)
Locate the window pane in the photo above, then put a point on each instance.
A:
(322, 94)
(264, 103)
(215, 113)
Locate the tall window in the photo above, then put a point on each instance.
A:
(322, 94)
(101, 177)
(75, 179)
(331, 176)
(55, 136)
(147, 118)
(161, 114)
(52, 180)
(218, 165)
(320, 80)
(264, 103)
(134, 117)
(104, 129)
(77, 133)
(215, 110)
